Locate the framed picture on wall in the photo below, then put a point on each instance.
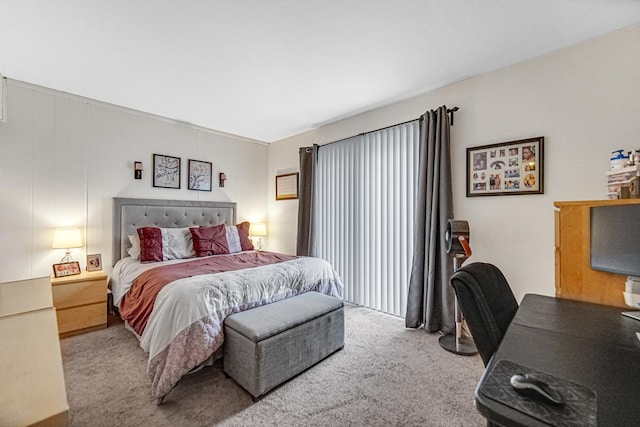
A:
(287, 186)
(199, 175)
(514, 167)
(166, 171)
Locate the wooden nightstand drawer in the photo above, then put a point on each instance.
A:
(86, 317)
(74, 294)
(80, 302)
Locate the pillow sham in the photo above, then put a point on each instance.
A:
(134, 250)
(163, 244)
(233, 239)
(243, 232)
(210, 240)
(238, 237)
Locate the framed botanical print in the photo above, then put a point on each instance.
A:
(166, 171)
(514, 167)
(199, 175)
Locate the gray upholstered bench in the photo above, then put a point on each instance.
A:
(270, 344)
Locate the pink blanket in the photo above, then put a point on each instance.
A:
(137, 304)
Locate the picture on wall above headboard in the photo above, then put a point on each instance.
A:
(166, 171)
(515, 167)
(199, 175)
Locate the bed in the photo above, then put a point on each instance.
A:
(176, 304)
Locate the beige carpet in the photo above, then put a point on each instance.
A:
(386, 375)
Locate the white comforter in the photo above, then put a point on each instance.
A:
(186, 325)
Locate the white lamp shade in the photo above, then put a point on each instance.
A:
(257, 229)
(65, 238)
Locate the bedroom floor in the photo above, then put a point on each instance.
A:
(386, 375)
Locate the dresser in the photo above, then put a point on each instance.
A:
(33, 389)
(574, 277)
(80, 302)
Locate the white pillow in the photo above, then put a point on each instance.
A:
(134, 250)
(177, 243)
(233, 239)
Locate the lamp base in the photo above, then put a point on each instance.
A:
(66, 258)
(458, 345)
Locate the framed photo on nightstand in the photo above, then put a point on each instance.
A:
(94, 262)
(66, 269)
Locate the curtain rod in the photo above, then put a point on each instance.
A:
(387, 127)
(449, 111)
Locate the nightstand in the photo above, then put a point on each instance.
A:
(80, 302)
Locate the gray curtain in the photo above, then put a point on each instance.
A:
(430, 301)
(308, 158)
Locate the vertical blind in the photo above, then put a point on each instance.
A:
(363, 214)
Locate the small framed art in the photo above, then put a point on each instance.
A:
(166, 171)
(287, 186)
(94, 262)
(199, 175)
(66, 269)
(514, 167)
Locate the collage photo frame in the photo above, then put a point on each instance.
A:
(507, 168)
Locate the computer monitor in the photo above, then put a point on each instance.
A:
(615, 239)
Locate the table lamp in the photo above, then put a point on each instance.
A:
(258, 230)
(66, 238)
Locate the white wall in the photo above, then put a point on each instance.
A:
(585, 101)
(63, 158)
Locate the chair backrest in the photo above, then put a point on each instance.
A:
(487, 302)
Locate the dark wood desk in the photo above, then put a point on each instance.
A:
(589, 344)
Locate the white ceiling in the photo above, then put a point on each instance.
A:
(268, 69)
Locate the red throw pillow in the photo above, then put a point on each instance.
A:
(150, 244)
(210, 240)
(243, 232)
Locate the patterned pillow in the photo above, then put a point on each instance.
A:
(163, 244)
(238, 237)
(233, 239)
(210, 240)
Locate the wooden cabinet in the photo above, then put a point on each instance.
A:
(80, 302)
(574, 277)
(33, 391)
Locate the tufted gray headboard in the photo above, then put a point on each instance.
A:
(130, 214)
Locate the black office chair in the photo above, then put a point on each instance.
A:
(487, 302)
